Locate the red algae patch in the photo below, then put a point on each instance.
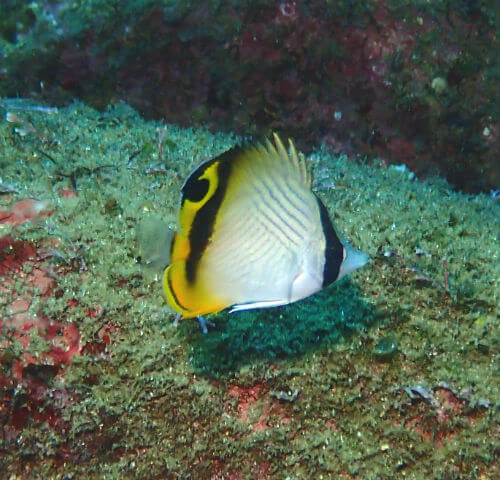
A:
(256, 407)
(24, 210)
(440, 419)
(34, 348)
(247, 398)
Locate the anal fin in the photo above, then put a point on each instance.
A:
(251, 306)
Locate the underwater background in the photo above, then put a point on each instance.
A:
(107, 106)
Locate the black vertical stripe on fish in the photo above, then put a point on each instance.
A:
(172, 291)
(204, 219)
(334, 250)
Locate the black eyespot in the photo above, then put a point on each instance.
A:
(195, 189)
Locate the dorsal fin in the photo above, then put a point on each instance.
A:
(290, 157)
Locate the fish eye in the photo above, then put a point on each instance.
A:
(195, 190)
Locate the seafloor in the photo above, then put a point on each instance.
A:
(392, 373)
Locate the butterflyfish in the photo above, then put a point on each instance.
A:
(252, 234)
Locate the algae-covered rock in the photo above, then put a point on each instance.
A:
(389, 373)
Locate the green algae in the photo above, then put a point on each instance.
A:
(168, 402)
(386, 347)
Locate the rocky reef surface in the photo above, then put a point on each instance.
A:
(390, 373)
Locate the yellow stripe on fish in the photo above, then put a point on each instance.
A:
(252, 234)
